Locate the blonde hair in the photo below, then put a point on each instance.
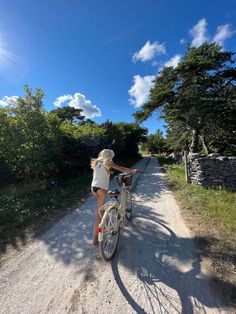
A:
(105, 156)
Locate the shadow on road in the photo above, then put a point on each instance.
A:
(151, 251)
(166, 266)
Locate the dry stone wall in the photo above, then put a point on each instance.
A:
(212, 171)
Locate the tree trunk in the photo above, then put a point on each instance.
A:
(195, 140)
(187, 179)
(204, 144)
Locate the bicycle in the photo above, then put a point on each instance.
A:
(114, 215)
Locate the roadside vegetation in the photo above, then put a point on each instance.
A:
(45, 159)
(32, 204)
(218, 205)
(211, 215)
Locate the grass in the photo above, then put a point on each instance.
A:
(219, 205)
(211, 216)
(23, 204)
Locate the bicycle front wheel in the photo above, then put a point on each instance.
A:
(128, 213)
(110, 237)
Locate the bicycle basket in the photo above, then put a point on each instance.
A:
(127, 179)
(124, 178)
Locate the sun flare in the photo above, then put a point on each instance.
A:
(7, 58)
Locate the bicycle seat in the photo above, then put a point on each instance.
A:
(114, 192)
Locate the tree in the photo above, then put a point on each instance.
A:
(113, 137)
(30, 139)
(155, 143)
(123, 138)
(178, 138)
(28, 134)
(7, 151)
(197, 94)
(67, 113)
(132, 135)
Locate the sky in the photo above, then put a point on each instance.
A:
(102, 56)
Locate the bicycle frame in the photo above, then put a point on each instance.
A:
(120, 208)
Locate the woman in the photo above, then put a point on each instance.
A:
(101, 174)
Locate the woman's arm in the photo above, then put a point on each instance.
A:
(123, 169)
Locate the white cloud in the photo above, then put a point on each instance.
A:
(139, 92)
(183, 41)
(7, 100)
(173, 62)
(149, 51)
(80, 102)
(61, 99)
(223, 32)
(199, 33)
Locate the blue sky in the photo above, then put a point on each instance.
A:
(102, 56)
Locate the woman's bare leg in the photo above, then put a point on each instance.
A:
(101, 198)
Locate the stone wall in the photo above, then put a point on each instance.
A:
(212, 171)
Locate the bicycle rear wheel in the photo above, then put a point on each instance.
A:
(110, 234)
(129, 208)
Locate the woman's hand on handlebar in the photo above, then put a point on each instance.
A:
(134, 171)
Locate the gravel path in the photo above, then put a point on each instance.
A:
(155, 269)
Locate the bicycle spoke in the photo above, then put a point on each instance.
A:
(128, 205)
(113, 219)
(110, 234)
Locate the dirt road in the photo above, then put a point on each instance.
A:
(155, 270)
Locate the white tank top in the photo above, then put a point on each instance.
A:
(101, 177)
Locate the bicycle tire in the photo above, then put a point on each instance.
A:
(129, 207)
(111, 232)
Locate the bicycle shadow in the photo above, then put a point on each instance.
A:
(154, 254)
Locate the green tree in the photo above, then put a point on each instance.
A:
(198, 94)
(28, 122)
(123, 137)
(8, 136)
(67, 113)
(113, 138)
(178, 137)
(36, 145)
(155, 143)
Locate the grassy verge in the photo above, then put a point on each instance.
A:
(25, 205)
(211, 215)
